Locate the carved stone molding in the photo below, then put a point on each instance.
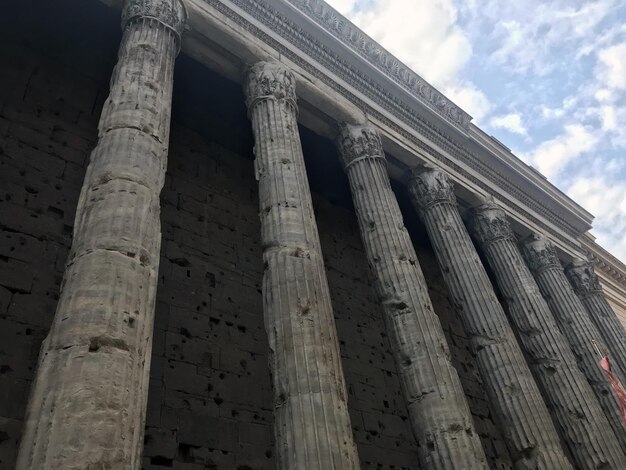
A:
(359, 142)
(270, 80)
(583, 278)
(430, 186)
(489, 223)
(170, 13)
(540, 253)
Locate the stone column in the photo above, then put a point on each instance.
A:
(440, 417)
(88, 401)
(312, 424)
(519, 408)
(576, 410)
(574, 322)
(588, 288)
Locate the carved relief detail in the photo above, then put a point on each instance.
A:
(489, 223)
(170, 13)
(540, 253)
(270, 80)
(359, 142)
(583, 278)
(431, 186)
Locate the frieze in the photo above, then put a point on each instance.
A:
(489, 223)
(328, 59)
(358, 143)
(583, 278)
(540, 253)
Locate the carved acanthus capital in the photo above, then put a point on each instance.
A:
(430, 186)
(489, 223)
(540, 253)
(170, 13)
(357, 143)
(270, 80)
(583, 278)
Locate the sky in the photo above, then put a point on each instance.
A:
(545, 77)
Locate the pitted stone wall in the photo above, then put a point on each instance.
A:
(377, 409)
(210, 401)
(49, 110)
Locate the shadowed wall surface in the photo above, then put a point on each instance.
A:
(210, 402)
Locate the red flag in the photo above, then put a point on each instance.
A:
(617, 386)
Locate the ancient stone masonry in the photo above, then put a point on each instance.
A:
(312, 425)
(574, 322)
(521, 412)
(440, 417)
(588, 288)
(164, 298)
(569, 396)
(88, 401)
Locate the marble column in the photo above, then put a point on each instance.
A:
(312, 425)
(88, 401)
(587, 286)
(439, 415)
(519, 408)
(574, 406)
(574, 322)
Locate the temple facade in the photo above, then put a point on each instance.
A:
(240, 235)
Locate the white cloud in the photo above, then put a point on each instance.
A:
(342, 6)
(470, 99)
(605, 199)
(551, 157)
(527, 33)
(612, 66)
(511, 122)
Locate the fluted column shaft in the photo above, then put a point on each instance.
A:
(574, 406)
(520, 410)
(88, 400)
(439, 414)
(312, 424)
(574, 322)
(587, 286)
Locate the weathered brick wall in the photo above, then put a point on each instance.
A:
(210, 400)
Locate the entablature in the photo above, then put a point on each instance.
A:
(343, 75)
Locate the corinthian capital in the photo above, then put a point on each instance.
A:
(270, 80)
(357, 143)
(430, 185)
(540, 253)
(489, 223)
(582, 277)
(170, 13)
